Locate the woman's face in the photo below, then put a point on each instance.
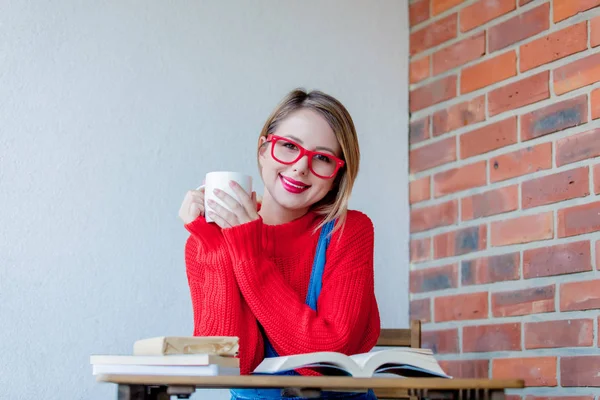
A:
(295, 186)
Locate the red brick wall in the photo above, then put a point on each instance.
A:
(505, 189)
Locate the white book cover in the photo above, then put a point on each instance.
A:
(164, 370)
(179, 359)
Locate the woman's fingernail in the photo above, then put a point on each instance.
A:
(232, 183)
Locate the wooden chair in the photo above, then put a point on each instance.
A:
(410, 337)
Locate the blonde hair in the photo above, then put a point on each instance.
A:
(335, 204)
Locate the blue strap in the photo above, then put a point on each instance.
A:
(316, 276)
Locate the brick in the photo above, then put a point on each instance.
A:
(523, 229)
(555, 117)
(580, 371)
(518, 94)
(419, 130)
(595, 101)
(488, 72)
(435, 216)
(420, 310)
(487, 338)
(518, 28)
(461, 307)
(460, 53)
(554, 46)
(564, 333)
(597, 178)
(492, 202)
(432, 279)
(439, 6)
(578, 220)
(420, 250)
(459, 242)
(564, 9)
(577, 74)
(595, 31)
(535, 371)
(419, 190)
(432, 155)
(433, 34)
(490, 137)
(457, 179)
(577, 296)
(504, 267)
(556, 187)
(418, 12)
(484, 11)
(578, 147)
(523, 2)
(433, 93)
(466, 369)
(560, 259)
(459, 115)
(440, 342)
(523, 301)
(521, 162)
(419, 69)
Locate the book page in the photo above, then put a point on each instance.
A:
(309, 360)
(372, 362)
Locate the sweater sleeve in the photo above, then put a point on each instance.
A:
(347, 319)
(218, 307)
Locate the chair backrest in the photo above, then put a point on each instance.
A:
(410, 337)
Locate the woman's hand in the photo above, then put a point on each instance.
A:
(242, 211)
(192, 206)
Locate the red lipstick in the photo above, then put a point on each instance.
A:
(292, 186)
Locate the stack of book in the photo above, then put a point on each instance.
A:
(174, 355)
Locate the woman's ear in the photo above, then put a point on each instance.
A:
(262, 147)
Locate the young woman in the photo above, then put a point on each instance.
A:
(293, 274)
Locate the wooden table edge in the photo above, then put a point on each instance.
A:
(321, 382)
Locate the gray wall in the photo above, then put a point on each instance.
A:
(110, 111)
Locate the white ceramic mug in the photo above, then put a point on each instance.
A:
(220, 180)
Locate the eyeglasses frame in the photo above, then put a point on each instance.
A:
(338, 162)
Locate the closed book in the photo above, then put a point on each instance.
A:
(226, 346)
(164, 370)
(175, 359)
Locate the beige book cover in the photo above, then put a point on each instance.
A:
(225, 346)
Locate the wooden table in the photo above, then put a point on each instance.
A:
(145, 387)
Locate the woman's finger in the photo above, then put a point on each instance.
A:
(223, 213)
(235, 207)
(222, 223)
(245, 199)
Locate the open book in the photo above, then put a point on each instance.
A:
(406, 362)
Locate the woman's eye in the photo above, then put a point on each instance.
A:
(323, 158)
(290, 146)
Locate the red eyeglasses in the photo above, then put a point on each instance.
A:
(286, 151)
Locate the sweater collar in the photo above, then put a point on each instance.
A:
(278, 238)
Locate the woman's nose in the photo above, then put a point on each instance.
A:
(301, 166)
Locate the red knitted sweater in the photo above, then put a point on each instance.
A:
(255, 274)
